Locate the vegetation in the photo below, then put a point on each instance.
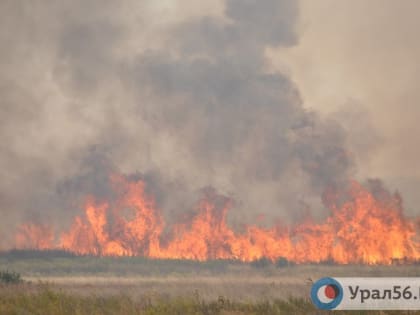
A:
(135, 285)
(35, 253)
(47, 301)
(10, 277)
(57, 262)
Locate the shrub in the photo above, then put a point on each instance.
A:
(10, 277)
(263, 262)
(283, 262)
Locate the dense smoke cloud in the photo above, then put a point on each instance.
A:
(362, 55)
(88, 89)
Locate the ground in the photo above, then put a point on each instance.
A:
(57, 283)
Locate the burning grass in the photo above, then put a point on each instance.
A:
(363, 227)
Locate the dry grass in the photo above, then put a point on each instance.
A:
(88, 285)
(239, 283)
(208, 288)
(50, 300)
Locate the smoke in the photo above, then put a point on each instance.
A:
(365, 52)
(90, 88)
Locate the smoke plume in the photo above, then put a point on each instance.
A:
(90, 88)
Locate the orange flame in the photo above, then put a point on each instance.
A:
(34, 236)
(362, 229)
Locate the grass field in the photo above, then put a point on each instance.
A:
(58, 283)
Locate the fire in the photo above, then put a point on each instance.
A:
(372, 231)
(34, 236)
(361, 229)
(135, 229)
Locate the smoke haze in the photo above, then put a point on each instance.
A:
(185, 102)
(361, 57)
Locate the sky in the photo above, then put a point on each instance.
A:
(267, 102)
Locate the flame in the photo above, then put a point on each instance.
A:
(37, 236)
(362, 229)
(135, 228)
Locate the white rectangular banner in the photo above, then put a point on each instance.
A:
(366, 293)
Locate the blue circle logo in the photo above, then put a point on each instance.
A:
(326, 293)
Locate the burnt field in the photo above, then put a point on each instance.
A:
(135, 285)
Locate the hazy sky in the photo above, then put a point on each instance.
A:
(269, 102)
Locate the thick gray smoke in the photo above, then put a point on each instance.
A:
(88, 88)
